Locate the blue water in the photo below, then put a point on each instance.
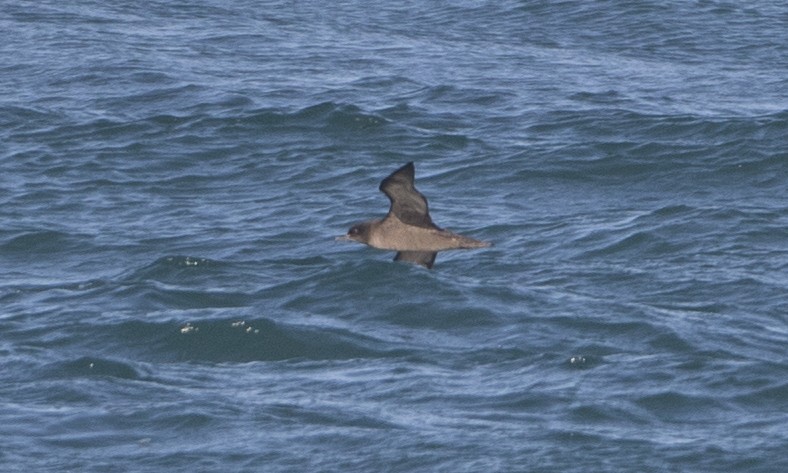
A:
(174, 174)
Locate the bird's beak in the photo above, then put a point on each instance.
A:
(342, 238)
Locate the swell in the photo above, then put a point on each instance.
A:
(659, 146)
(214, 136)
(96, 346)
(682, 230)
(176, 308)
(40, 242)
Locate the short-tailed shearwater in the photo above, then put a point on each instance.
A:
(408, 228)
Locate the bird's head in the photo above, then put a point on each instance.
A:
(358, 232)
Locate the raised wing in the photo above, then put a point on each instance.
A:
(407, 204)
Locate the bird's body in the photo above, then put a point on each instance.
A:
(392, 234)
(408, 228)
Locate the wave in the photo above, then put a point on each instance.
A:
(92, 367)
(42, 242)
(226, 340)
(588, 144)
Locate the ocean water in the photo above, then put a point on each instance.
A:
(173, 175)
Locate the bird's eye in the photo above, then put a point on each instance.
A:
(354, 231)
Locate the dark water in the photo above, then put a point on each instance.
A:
(174, 175)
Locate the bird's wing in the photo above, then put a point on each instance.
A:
(424, 258)
(407, 204)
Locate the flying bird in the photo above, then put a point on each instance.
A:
(408, 228)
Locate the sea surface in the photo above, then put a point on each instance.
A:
(173, 176)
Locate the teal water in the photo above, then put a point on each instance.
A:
(174, 175)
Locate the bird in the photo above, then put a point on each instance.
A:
(408, 228)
